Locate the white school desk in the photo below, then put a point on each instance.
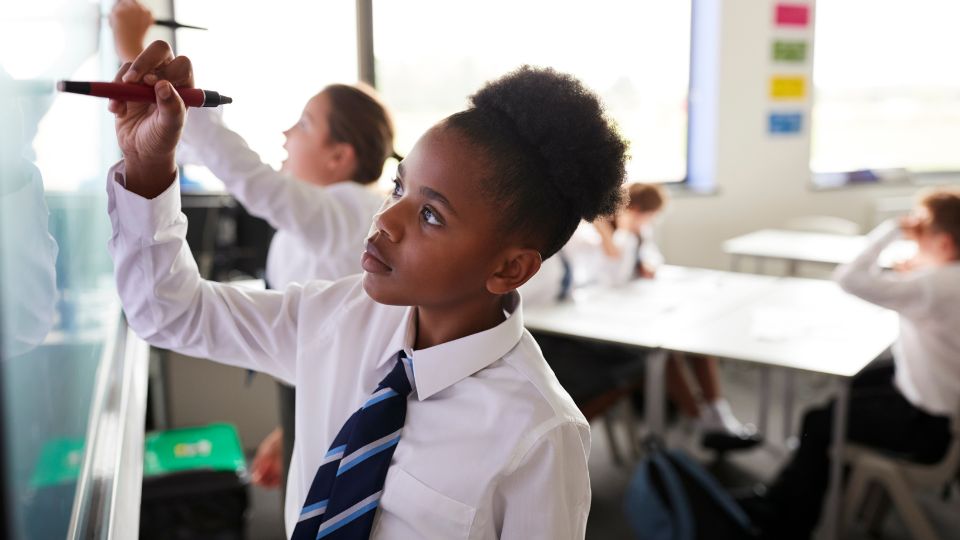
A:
(792, 323)
(641, 312)
(796, 247)
(802, 324)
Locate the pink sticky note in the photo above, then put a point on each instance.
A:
(793, 14)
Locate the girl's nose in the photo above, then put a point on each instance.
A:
(389, 220)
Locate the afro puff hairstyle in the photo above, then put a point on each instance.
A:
(556, 158)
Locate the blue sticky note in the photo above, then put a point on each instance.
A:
(785, 122)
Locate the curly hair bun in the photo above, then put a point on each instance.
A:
(582, 154)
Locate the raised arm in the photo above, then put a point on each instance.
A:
(129, 21)
(865, 278)
(166, 301)
(317, 215)
(170, 306)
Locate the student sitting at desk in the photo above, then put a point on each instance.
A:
(609, 251)
(481, 199)
(905, 408)
(627, 241)
(630, 251)
(321, 202)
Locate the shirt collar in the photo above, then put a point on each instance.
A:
(441, 366)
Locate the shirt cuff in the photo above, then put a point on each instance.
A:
(885, 233)
(136, 214)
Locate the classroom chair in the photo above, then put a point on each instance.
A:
(877, 478)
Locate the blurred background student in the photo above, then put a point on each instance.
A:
(630, 252)
(612, 252)
(905, 408)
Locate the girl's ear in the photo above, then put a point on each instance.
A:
(519, 265)
(946, 245)
(342, 152)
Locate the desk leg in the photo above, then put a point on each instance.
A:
(656, 394)
(831, 523)
(788, 399)
(792, 267)
(763, 412)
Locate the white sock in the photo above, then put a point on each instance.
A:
(717, 416)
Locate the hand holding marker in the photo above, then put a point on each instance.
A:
(192, 97)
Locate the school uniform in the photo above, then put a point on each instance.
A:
(581, 262)
(907, 409)
(491, 447)
(592, 265)
(648, 252)
(320, 230)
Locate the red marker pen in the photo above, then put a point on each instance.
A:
(192, 97)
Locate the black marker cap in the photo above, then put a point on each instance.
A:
(74, 87)
(214, 99)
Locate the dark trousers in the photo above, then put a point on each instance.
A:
(587, 370)
(879, 417)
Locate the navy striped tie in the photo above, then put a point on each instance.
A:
(346, 491)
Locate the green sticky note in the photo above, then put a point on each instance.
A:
(212, 447)
(790, 51)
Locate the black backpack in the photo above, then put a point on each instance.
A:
(672, 497)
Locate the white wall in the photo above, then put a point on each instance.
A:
(760, 181)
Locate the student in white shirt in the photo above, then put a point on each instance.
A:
(711, 412)
(905, 408)
(340, 143)
(491, 446)
(615, 251)
(321, 202)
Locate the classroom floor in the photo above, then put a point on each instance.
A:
(609, 482)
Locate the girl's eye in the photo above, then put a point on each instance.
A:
(397, 189)
(430, 216)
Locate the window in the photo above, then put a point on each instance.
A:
(270, 58)
(886, 92)
(432, 54)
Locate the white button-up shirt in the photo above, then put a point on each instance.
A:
(589, 264)
(320, 230)
(927, 353)
(493, 447)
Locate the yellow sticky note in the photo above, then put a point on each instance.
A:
(788, 87)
